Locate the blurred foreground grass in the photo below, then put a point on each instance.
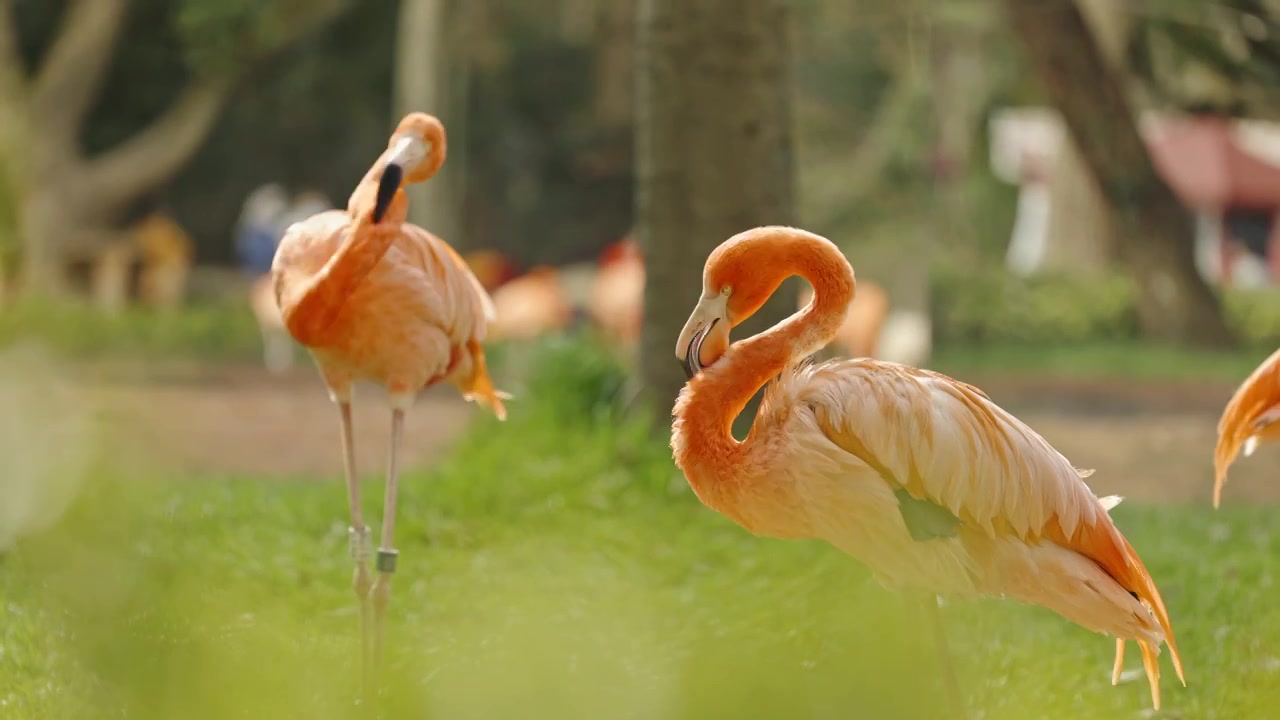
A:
(557, 567)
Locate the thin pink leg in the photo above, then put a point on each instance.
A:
(360, 539)
(387, 554)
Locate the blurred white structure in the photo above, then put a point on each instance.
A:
(1226, 171)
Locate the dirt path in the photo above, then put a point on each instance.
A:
(1148, 442)
(243, 421)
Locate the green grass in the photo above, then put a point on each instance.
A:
(208, 331)
(556, 566)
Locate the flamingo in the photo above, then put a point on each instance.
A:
(918, 476)
(374, 297)
(532, 305)
(617, 292)
(492, 268)
(1248, 420)
(859, 334)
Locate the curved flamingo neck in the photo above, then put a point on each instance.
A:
(702, 432)
(360, 251)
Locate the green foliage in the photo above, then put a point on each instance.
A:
(1096, 360)
(226, 36)
(1254, 316)
(544, 574)
(210, 331)
(993, 306)
(578, 376)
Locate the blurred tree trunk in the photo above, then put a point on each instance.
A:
(70, 203)
(714, 158)
(432, 76)
(1158, 249)
(1082, 228)
(615, 64)
(959, 89)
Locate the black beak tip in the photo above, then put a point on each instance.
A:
(689, 369)
(388, 184)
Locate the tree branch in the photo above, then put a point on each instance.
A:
(144, 161)
(874, 152)
(68, 80)
(11, 70)
(294, 21)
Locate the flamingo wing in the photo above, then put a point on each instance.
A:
(942, 442)
(466, 310)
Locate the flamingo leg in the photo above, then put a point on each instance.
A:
(954, 695)
(360, 539)
(387, 554)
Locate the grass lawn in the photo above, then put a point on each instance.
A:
(556, 568)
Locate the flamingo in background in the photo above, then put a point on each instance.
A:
(531, 305)
(491, 267)
(859, 334)
(922, 478)
(525, 306)
(373, 297)
(1248, 420)
(616, 300)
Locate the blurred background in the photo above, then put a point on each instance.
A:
(1069, 203)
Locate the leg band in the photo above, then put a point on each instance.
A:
(360, 543)
(387, 560)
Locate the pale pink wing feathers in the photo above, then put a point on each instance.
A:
(456, 303)
(466, 302)
(945, 441)
(959, 449)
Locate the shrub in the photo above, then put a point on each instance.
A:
(995, 307)
(207, 331)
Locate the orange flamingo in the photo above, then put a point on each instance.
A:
(1248, 420)
(373, 297)
(918, 476)
(531, 305)
(616, 301)
(492, 268)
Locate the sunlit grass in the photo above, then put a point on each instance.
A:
(231, 598)
(206, 330)
(556, 566)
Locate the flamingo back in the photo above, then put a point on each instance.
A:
(1248, 419)
(417, 318)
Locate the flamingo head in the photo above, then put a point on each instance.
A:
(415, 153)
(738, 278)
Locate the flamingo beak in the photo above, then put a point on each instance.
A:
(692, 360)
(406, 155)
(705, 317)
